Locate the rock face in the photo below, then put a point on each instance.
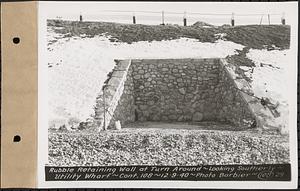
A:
(181, 90)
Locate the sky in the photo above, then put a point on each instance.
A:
(103, 11)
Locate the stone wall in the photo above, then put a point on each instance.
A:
(178, 90)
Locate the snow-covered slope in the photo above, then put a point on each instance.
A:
(270, 79)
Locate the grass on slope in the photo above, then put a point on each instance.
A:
(252, 36)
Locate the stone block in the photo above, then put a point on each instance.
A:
(141, 71)
(137, 77)
(164, 69)
(197, 117)
(173, 117)
(182, 90)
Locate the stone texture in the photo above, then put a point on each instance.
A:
(177, 78)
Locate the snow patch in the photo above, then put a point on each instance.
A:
(270, 74)
(221, 36)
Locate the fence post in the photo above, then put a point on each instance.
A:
(80, 18)
(163, 18)
(232, 19)
(184, 19)
(261, 19)
(133, 19)
(269, 19)
(283, 19)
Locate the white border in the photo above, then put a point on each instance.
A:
(292, 17)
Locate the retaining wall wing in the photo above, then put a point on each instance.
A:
(174, 90)
(263, 117)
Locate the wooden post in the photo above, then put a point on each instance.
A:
(269, 19)
(283, 19)
(184, 19)
(232, 19)
(163, 18)
(80, 18)
(133, 19)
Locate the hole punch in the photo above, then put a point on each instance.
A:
(17, 138)
(16, 40)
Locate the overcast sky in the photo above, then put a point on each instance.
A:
(99, 11)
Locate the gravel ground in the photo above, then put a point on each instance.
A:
(153, 146)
